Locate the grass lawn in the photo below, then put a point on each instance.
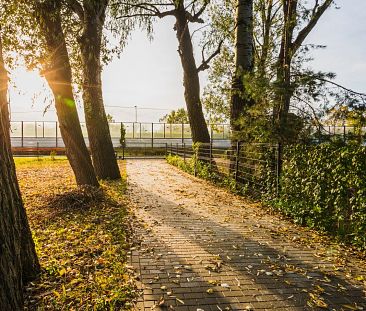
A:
(81, 239)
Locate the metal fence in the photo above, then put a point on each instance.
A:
(252, 168)
(47, 134)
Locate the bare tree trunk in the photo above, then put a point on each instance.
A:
(191, 80)
(101, 146)
(284, 68)
(18, 259)
(59, 77)
(240, 99)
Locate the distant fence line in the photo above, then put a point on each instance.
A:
(140, 130)
(134, 130)
(45, 134)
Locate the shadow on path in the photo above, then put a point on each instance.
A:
(211, 263)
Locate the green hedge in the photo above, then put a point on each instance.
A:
(324, 187)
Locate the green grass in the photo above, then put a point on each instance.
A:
(42, 160)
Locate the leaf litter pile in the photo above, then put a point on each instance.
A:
(81, 238)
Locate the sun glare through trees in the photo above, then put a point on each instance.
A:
(182, 155)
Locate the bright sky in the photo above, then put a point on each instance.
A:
(149, 75)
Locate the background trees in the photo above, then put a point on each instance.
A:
(280, 86)
(185, 14)
(179, 116)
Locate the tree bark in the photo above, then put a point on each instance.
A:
(18, 260)
(59, 77)
(289, 46)
(284, 68)
(240, 99)
(104, 160)
(191, 80)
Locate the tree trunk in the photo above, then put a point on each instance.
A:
(284, 92)
(191, 81)
(17, 253)
(59, 77)
(104, 160)
(240, 99)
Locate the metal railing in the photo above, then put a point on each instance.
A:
(252, 168)
(46, 134)
(49, 129)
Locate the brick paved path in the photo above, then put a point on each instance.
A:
(202, 248)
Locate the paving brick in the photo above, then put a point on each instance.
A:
(194, 234)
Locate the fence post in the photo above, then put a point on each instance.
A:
(211, 152)
(123, 151)
(184, 152)
(56, 134)
(152, 135)
(22, 134)
(196, 151)
(182, 133)
(278, 167)
(237, 160)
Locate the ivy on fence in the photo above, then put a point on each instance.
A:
(324, 187)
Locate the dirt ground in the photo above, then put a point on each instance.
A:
(200, 247)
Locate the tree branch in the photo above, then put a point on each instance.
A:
(205, 63)
(312, 23)
(342, 87)
(76, 7)
(201, 10)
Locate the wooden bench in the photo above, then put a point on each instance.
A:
(37, 151)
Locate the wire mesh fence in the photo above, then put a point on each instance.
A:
(250, 168)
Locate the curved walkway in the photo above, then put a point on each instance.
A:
(202, 248)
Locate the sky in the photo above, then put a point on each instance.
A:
(149, 75)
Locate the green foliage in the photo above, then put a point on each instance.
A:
(325, 187)
(53, 154)
(174, 117)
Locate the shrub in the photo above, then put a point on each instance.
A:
(324, 187)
